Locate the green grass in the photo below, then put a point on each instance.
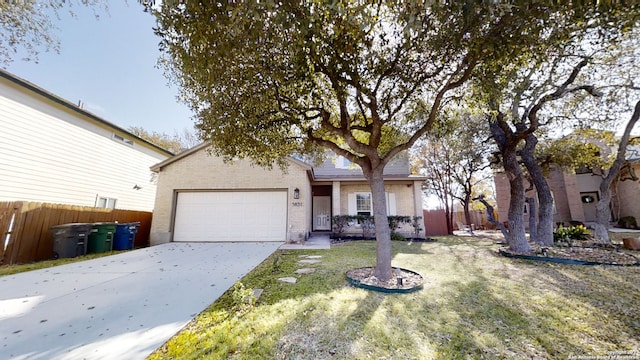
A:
(18, 268)
(475, 304)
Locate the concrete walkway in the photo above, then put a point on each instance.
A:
(118, 307)
(317, 241)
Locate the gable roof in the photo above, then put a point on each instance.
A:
(78, 110)
(158, 167)
(320, 173)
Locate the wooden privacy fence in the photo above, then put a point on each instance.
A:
(435, 221)
(478, 219)
(25, 227)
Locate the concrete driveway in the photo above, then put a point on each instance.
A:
(118, 307)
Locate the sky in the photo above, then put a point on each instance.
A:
(110, 65)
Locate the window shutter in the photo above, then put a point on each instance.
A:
(351, 210)
(391, 203)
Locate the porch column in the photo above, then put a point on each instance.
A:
(417, 202)
(335, 198)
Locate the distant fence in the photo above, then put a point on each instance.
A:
(25, 227)
(435, 221)
(478, 219)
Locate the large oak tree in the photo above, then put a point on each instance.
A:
(365, 79)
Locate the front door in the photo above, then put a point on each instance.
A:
(589, 200)
(322, 213)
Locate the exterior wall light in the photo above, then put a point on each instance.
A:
(296, 193)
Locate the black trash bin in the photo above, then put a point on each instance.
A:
(70, 240)
(101, 237)
(125, 236)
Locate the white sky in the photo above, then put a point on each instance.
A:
(109, 64)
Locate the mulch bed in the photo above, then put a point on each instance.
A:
(364, 278)
(582, 254)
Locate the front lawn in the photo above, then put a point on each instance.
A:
(475, 304)
(18, 268)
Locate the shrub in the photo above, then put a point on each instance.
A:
(397, 236)
(628, 222)
(578, 232)
(396, 220)
(417, 225)
(340, 223)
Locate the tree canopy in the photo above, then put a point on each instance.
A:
(28, 27)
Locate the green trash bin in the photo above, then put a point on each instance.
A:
(101, 237)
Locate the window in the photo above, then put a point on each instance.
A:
(360, 203)
(106, 202)
(363, 204)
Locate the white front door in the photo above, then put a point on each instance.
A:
(322, 213)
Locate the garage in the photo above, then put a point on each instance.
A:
(216, 216)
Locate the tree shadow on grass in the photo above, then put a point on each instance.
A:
(484, 324)
(611, 292)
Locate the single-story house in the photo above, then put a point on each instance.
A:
(54, 151)
(576, 194)
(201, 198)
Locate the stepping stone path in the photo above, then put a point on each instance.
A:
(309, 261)
(290, 280)
(305, 271)
(306, 260)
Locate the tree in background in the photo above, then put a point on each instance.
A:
(452, 158)
(29, 26)
(434, 160)
(175, 143)
(365, 80)
(520, 98)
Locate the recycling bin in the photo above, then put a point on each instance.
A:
(101, 237)
(70, 240)
(125, 236)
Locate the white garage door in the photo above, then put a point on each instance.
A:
(231, 216)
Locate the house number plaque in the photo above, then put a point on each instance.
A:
(297, 203)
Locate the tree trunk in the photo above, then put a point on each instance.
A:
(507, 144)
(467, 214)
(383, 234)
(517, 236)
(533, 227)
(602, 207)
(543, 232)
(491, 218)
(449, 215)
(603, 213)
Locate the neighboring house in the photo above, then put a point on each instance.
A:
(55, 152)
(575, 195)
(201, 198)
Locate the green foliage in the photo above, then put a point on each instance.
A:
(397, 237)
(28, 27)
(175, 143)
(582, 149)
(396, 220)
(340, 224)
(243, 299)
(416, 223)
(628, 222)
(578, 232)
(268, 79)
